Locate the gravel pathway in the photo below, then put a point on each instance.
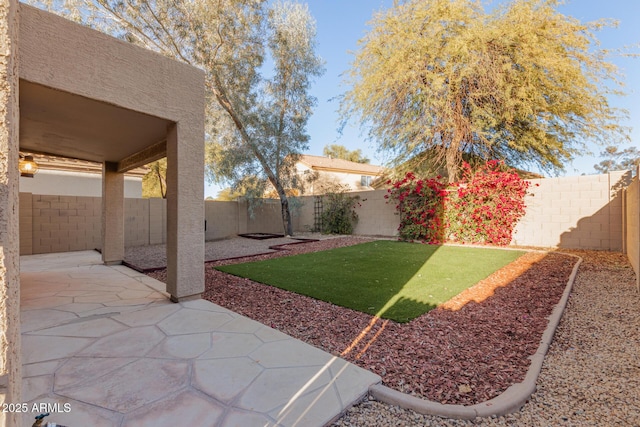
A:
(153, 257)
(591, 375)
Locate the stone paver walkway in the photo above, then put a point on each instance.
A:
(106, 345)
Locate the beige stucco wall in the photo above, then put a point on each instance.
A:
(86, 62)
(632, 225)
(10, 361)
(62, 183)
(574, 212)
(376, 216)
(62, 55)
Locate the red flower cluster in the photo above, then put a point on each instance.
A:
(483, 207)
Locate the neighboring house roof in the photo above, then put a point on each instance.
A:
(73, 165)
(320, 163)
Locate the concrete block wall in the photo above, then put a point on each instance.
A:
(265, 217)
(376, 217)
(222, 219)
(574, 212)
(60, 223)
(303, 214)
(26, 223)
(569, 212)
(157, 221)
(632, 225)
(136, 222)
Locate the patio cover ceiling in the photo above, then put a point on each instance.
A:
(68, 125)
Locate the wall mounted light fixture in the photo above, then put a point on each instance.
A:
(28, 167)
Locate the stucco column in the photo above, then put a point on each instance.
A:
(185, 212)
(112, 214)
(10, 358)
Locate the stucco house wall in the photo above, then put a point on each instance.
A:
(10, 360)
(140, 95)
(336, 171)
(141, 106)
(67, 183)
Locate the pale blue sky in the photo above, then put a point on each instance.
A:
(341, 23)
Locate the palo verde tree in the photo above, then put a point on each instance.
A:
(523, 83)
(269, 136)
(615, 159)
(256, 117)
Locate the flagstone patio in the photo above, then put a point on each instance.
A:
(106, 341)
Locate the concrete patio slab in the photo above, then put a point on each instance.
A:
(107, 348)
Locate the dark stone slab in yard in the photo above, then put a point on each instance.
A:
(261, 236)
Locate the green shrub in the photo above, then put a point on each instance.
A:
(338, 212)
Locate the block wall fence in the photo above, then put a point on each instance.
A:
(631, 224)
(589, 212)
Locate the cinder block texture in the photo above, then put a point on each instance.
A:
(554, 218)
(265, 217)
(136, 222)
(26, 224)
(74, 228)
(632, 225)
(574, 212)
(221, 219)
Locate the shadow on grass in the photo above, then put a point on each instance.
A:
(392, 280)
(369, 277)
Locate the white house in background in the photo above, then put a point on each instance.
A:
(61, 176)
(355, 176)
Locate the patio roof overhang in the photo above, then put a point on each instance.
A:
(86, 95)
(63, 124)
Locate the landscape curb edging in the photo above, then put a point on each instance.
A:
(509, 401)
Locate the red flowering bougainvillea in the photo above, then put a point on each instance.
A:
(483, 207)
(420, 203)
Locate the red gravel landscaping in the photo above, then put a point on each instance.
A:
(466, 352)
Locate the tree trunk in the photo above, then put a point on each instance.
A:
(284, 205)
(452, 161)
(286, 216)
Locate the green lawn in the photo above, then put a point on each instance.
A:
(395, 280)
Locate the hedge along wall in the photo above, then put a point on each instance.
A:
(632, 225)
(567, 212)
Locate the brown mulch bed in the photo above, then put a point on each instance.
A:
(465, 352)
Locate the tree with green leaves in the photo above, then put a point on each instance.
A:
(255, 120)
(228, 195)
(336, 151)
(615, 159)
(438, 80)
